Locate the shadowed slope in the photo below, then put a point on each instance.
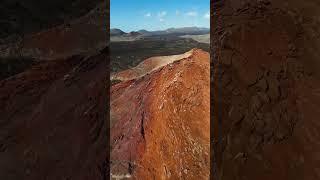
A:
(86, 34)
(53, 121)
(266, 85)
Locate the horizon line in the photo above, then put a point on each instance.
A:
(158, 29)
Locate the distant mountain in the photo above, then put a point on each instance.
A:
(189, 30)
(116, 32)
(143, 31)
(134, 33)
(170, 31)
(203, 38)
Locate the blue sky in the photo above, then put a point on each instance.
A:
(133, 15)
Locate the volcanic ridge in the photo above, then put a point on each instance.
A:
(160, 122)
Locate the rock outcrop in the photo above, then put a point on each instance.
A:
(266, 83)
(160, 121)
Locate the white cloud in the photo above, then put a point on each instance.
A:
(177, 12)
(192, 13)
(147, 15)
(162, 14)
(207, 15)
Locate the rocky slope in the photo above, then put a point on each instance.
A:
(160, 124)
(266, 82)
(53, 121)
(54, 114)
(83, 35)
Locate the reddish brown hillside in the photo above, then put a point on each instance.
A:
(160, 125)
(266, 89)
(53, 121)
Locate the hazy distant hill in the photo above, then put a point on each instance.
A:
(134, 33)
(116, 32)
(203, 38)
(170, 31)
(143, 31)
(189, 30)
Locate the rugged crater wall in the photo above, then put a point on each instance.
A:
(265, 81)
(160, 124)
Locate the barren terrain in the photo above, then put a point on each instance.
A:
(266, 81)
(165, 132)
(53, 114)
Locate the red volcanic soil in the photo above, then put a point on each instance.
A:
(53, 121)
(266, 89)
(160, 122)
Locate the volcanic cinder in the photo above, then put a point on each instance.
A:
(160, 119)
